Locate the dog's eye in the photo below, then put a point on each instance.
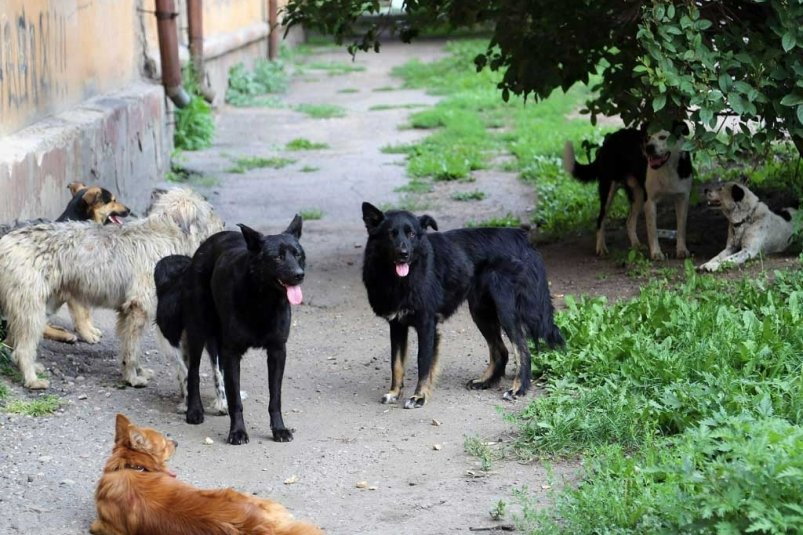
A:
(662, 137)
(411, 234)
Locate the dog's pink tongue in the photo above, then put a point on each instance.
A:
(170, 472)
(402, 269)
(294, 295)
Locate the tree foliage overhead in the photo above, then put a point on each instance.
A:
(706, 60)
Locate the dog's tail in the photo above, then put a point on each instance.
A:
(167, 275)
(534, 302)
(580, 171)
(787, 213)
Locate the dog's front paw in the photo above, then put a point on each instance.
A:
(390, 397)
(220, 407)
(415, 402)
(37, 384)
(145, 373)
(282, 435)
(513, 395)
(90, 335)
(709, 266)
(181, 408)
(682, 252)
(657, 255)
(137, 381)
(195, 416)
(237, 437)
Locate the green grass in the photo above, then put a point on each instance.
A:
(322, 111)
(309, 169)
(311, 214)
(508, 221)
(472, 125)
(41, 406)
(195, 125)
(347, 90)
(383, 107)
(246, 163)
(304, 144)
(464, 196)
(385, 88)
(334, 68)
(687, 404)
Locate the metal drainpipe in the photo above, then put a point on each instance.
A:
(195, 29)
(168, 52)
(273, 24)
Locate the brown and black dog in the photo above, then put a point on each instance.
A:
(88, 203)
(139, 495)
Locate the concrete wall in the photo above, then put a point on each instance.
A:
(80, 97)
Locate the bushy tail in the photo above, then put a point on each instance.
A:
(167, 275)
(580, 171)
(534, 304)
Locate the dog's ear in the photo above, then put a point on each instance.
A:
(680, 128)
(75, 187)
(253, 238)
(427, 221)
(121, 428)
(137, 440)
(372, 216)
(737, 193)
(295, 227)
(92, 196)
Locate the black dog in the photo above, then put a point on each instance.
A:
(415, 279)
(236, 294)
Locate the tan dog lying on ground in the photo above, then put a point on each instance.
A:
(139, 495)
(753, 229)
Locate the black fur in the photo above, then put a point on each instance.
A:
(620, 157)
(497, 270)
(234, 297)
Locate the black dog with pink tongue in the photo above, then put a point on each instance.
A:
(417, 279)
(237, 294)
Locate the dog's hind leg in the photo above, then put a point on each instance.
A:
(24, 334)
(681, 214)
(398, 359)
(636, 205)
(607, 191)
(59, 334)
(193, 348)
(428, 339)
(231, 378)
(487, 323)
(82, 320)
(131, 321)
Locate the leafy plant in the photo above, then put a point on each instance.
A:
(348, 90)
(309, 169)
(687, 403)
(478, 448)
(384, 107)
(322, 111)
(334, 68)
(248, 88)
(246, 163)
(304, 144)
(195, 126)
(498, 512)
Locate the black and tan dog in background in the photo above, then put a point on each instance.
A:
(88, 203)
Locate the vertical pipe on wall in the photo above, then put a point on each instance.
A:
(195, 30)
(273, 23)
(168, 52)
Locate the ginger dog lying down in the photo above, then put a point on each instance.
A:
(139, 495)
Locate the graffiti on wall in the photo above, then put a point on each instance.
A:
(33, 60)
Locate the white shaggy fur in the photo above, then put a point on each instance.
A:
(109, 266)
(753, 229)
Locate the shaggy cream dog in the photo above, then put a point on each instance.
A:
(753, 229)
(45, 265)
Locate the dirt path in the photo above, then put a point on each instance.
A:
(338, 364)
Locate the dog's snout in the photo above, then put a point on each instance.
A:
(649, 148)
(403, 253)
(175, 443)
(298, 277)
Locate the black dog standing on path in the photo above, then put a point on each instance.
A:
(415, 279)
(236, 294)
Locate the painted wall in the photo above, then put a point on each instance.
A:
(56, 53)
